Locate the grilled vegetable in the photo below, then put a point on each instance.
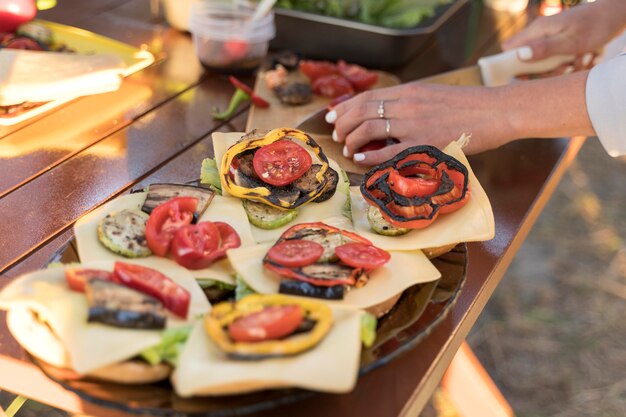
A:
(276, 320)
(216, 291)
(267, 217)
(160, 193)
(294, 94)
(382, 226)
(210, 175)
(346, 258)
(308, 182)
(304, 289)
(124, 233)
(246, 187)
(120, 306)
(415, 186)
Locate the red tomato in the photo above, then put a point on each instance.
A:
(16, 12)
(229, 238)
(236, 49)
(412, 186)
(76, 277)
(193, 245)
(165, 220)
(332, 86)
(24, 43)
(373, 145)
(271, 323)
(361, 255)
(295, 252)
(151, 282)
(281, 162)
(316, 69)
(360, 78)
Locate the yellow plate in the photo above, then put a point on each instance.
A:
(83, 41)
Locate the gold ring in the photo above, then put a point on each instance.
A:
(381, 109)
(388, 127)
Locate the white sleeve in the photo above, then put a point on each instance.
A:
(606, 103)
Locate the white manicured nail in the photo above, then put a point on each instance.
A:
(358, 157)
(334, 136)
(525, 53)
(569, 69)
(346, 152)
(331, 116)
(587, 59)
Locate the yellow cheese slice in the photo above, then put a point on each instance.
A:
(310, 212)
(222, 209)
(92, 345)
(402, 271)
(474, 222)
(331, 366)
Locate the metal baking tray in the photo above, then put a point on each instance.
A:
(323, 37)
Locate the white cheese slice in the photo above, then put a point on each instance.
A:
(402, 271)
(38, 76)
(93, 345)
(222, 209)
(473, 222)
(331, 366)
(311, 212)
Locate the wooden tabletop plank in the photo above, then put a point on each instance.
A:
(102, 170)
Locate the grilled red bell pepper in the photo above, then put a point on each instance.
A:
(417, 185)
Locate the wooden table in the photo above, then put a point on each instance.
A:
(157, 128)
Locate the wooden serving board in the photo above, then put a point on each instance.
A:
(282, 115)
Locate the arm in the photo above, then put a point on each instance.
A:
(437, 114)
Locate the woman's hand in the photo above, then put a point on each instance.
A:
(417, 114)
(581, 31)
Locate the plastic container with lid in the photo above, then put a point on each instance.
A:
(226, 39)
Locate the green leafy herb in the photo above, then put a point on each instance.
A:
(210, 174)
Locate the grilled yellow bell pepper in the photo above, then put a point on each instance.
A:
(222, 315)
(264, 194)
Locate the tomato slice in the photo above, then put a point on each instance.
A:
(316, 69)
(77, 277)
(360, 78)
(361, 255)
(193, 245)
(165, 220)
(295, 252)
(332, 86)
(151, 282)
(412, 186)
(281, 163)
(271, 323)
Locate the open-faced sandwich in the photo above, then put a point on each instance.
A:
(271, 341)
(326, 260)
(187, 224)
(422, 198)
(281, 176)
(116, 321)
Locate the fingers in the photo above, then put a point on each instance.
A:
(369, 116)
(373, 130)
(387, 94)
(379, 156)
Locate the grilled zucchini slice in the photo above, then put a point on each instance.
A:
(382, 226)
(267, 217)
(124, 233)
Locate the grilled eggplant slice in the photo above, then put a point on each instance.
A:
(294, 94)
(329, 239)
(216, 291)
(161, 192)
(222, 315)
(382, 226)
(120, 306)
(308, 182)
(304, 289)
(124, 233)
(267, 217)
